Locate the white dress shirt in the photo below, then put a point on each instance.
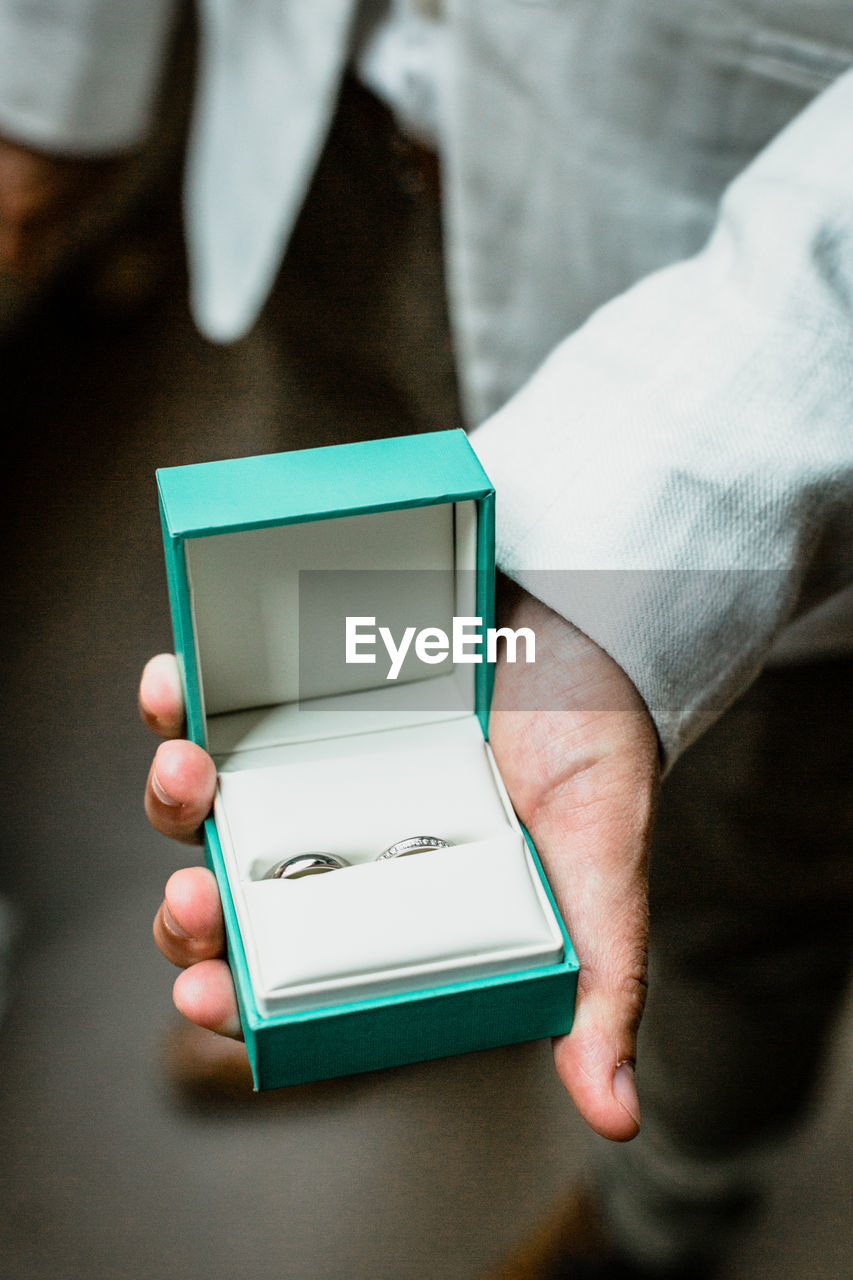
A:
(402, 57)
(694, 433)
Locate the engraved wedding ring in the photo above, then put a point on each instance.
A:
(413, 844)
(305, 864)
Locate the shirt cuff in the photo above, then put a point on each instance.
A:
(80, 76)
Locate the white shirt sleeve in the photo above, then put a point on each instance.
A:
(80, 76)
(677, 479)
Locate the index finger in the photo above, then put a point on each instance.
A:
(161, 699)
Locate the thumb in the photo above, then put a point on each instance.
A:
(578, 751)
(593, 837)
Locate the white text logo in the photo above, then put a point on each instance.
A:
(467, 642)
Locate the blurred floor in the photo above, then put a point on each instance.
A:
(428, 1171)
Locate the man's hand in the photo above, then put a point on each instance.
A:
(578, 752)
(42, 200)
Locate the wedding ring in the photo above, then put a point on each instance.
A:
(305, 864)
(413, 844)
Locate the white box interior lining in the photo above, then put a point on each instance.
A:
(245, 596)
(475, 909)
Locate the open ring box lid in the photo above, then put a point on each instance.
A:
(320, 748)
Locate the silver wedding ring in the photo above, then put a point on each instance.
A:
(413, 844)
(305, 864)
(316, 863)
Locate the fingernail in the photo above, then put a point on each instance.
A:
(161, 793)
(231, 1027)
(172, 925)
(625, 1090)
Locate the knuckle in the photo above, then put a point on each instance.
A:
(631, 991)
(620, 982)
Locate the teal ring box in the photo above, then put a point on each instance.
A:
(318, 747)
